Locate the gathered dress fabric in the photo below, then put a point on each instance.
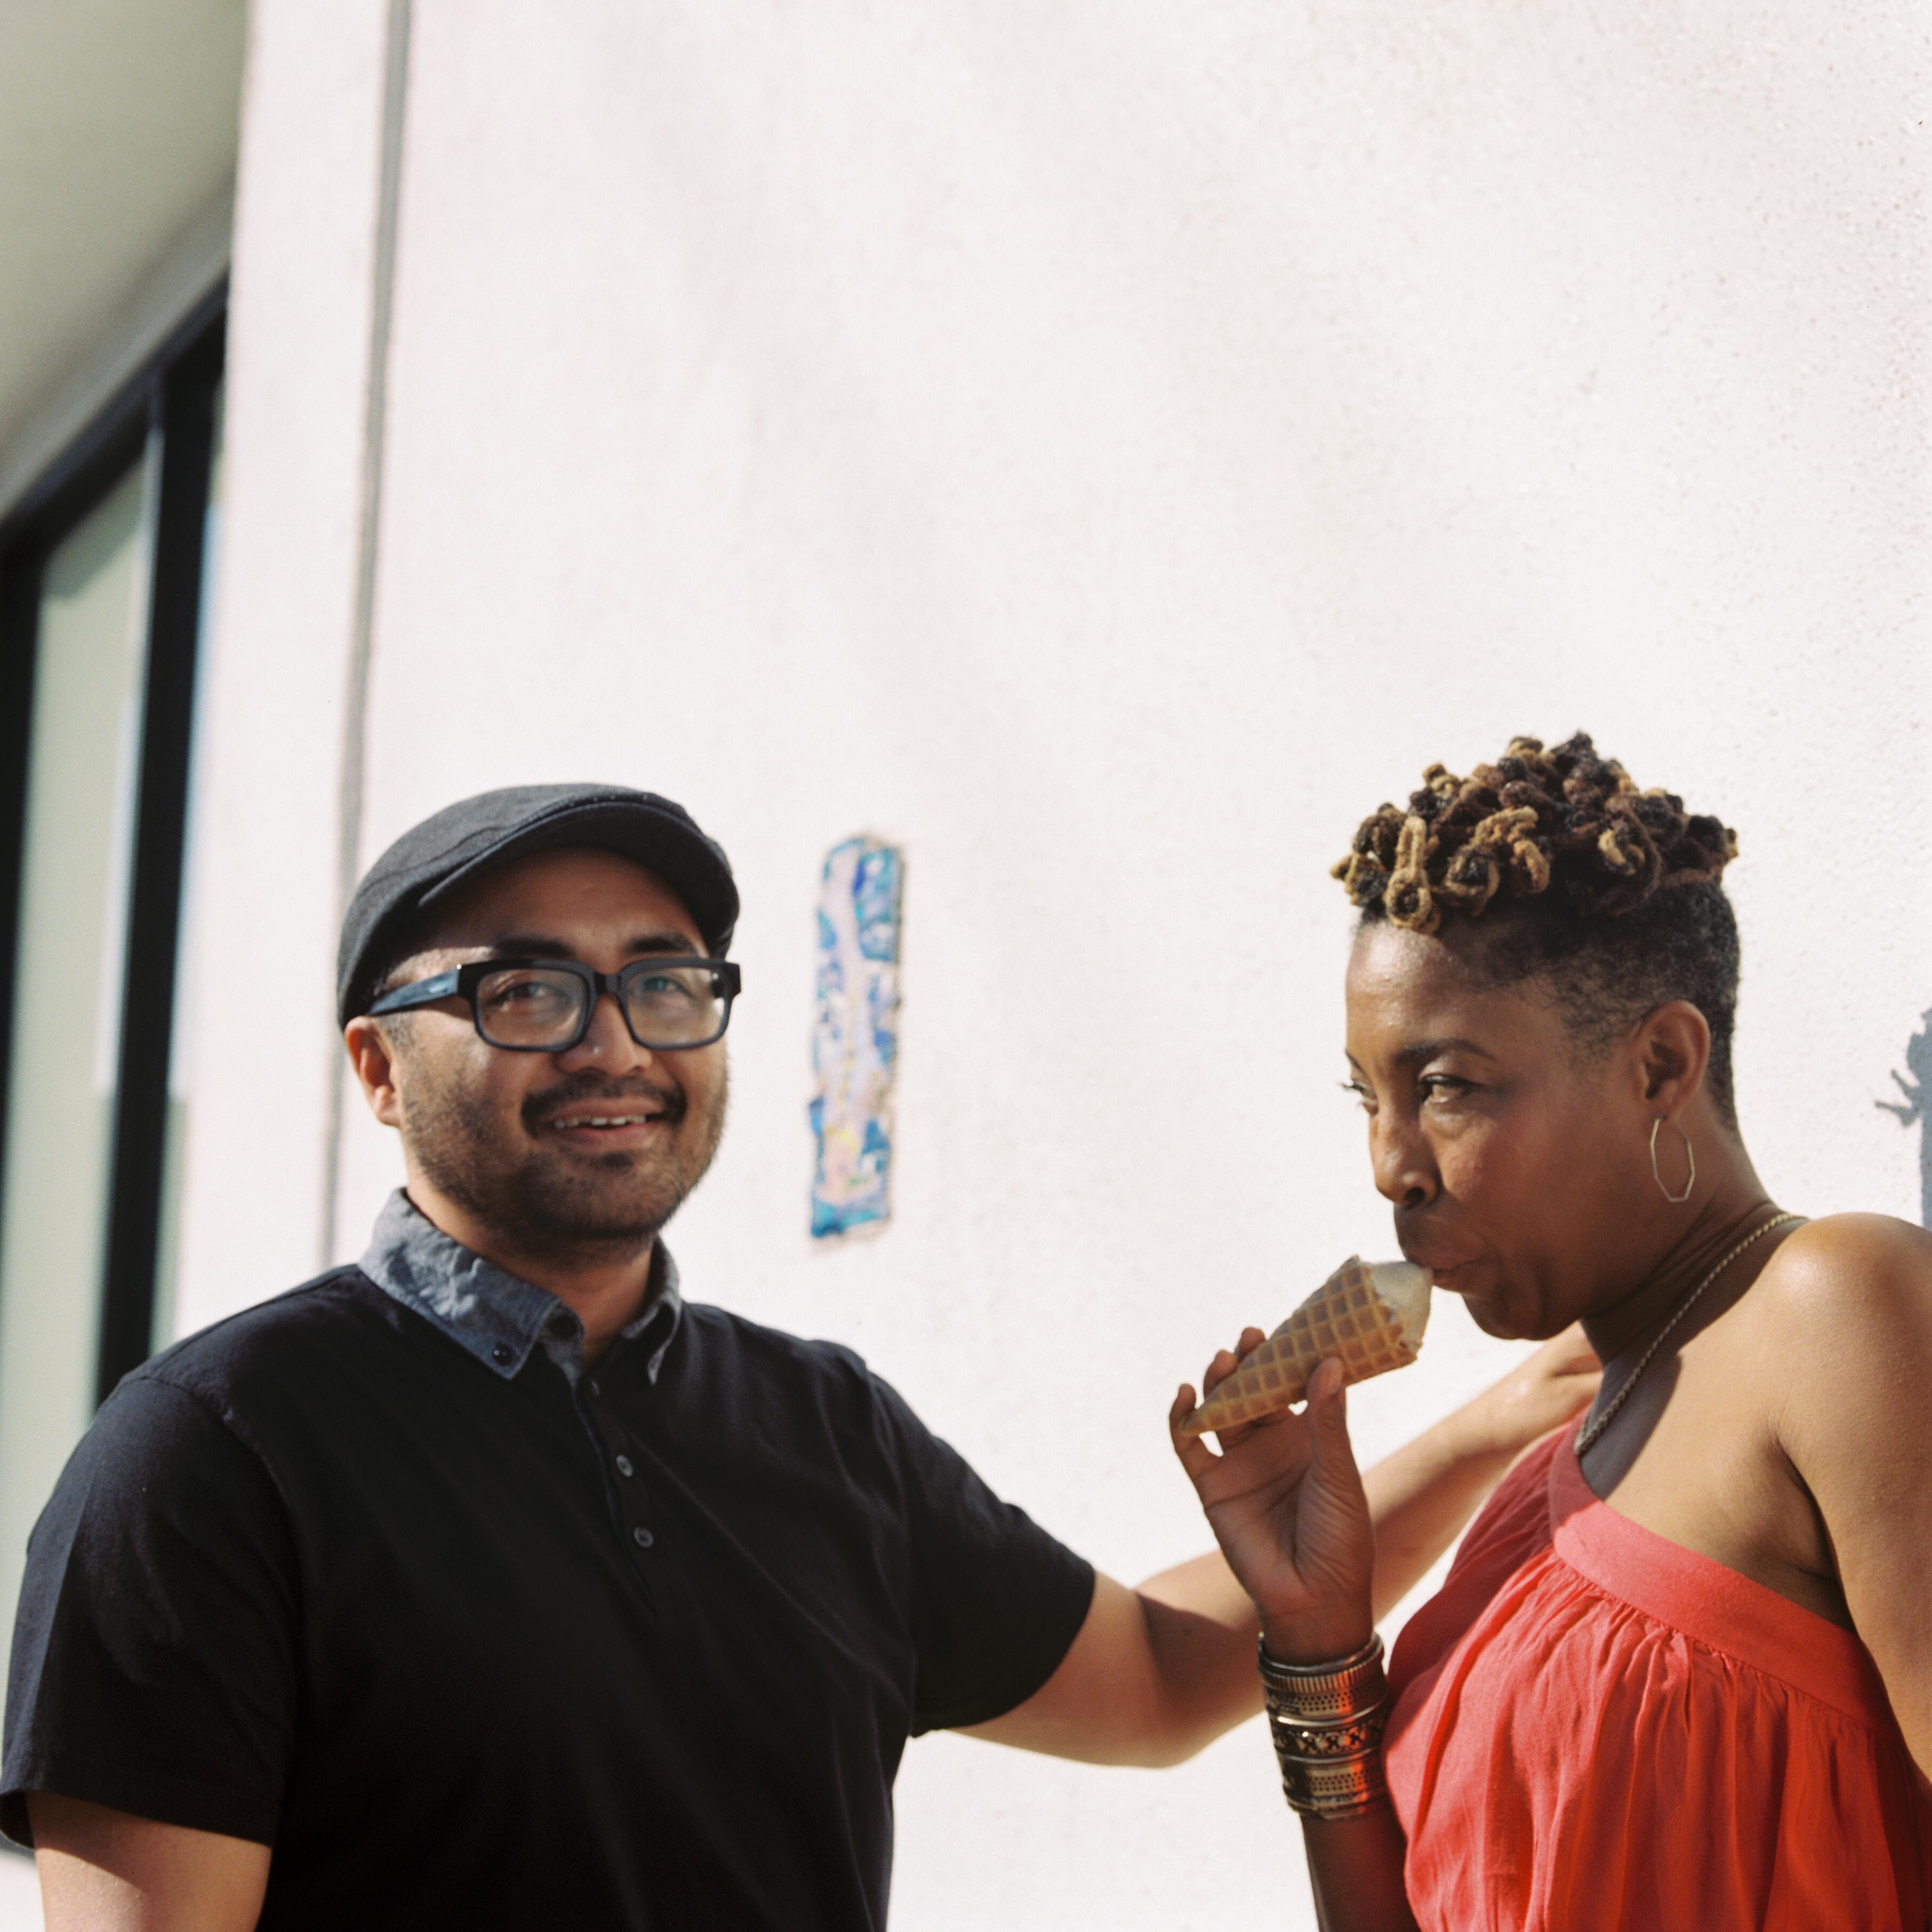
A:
(1594, 1728)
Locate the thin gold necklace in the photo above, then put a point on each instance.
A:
(1598, 1423)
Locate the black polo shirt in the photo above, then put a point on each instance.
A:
(378, 1575)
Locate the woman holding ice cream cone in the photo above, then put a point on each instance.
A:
(1681, 1674)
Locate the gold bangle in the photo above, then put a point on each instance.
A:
(1327, 1720)
(1317, 1691)
(1343, 1790)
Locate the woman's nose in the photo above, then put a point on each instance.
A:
(1404, 1173)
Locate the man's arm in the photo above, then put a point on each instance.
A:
(1158, 1672)
(153, 1669)
(102, 1871)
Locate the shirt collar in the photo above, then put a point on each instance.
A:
(495, 1315)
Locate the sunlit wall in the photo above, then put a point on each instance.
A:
(1107, 449)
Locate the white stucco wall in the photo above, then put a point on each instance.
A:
(1107, 448)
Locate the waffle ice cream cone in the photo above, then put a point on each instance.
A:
(1371, 1317)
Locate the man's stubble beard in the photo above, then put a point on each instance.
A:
(544, 1199)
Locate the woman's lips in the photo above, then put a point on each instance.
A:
(1441, 1270)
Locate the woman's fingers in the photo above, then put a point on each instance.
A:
(1196, 1458)
(1227, 1361)
(1328, 1420)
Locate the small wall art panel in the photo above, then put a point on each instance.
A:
(855, 1038)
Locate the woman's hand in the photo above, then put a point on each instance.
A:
(1286, 1505)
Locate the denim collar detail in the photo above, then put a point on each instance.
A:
(498, 1317)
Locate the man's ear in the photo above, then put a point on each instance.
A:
(1673, 1045)
(372, 1053)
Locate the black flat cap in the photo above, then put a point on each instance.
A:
(432, 860)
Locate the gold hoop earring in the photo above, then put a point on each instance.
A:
(1690, 1154)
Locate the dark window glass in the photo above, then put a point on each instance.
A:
(102, 573)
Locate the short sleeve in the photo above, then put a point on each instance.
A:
(153, 1660)
(997, 1602)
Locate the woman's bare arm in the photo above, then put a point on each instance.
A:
(103, 1870)
(1852, 1301)
(1419, 1500)
(1355, 1870)
(1290, 1513)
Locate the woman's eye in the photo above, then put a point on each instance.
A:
(1443, 1086)
(1358, 1092)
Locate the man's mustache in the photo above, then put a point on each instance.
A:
(540, 1109)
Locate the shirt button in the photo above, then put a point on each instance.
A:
(503, 1354)
(642, 1538)
(624, 1467)
(594, 1390)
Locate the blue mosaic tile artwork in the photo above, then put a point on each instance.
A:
(855, 1040)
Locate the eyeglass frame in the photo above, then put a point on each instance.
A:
(461, 982)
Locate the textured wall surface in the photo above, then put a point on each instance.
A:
(1105, 449)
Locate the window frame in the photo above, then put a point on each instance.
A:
(172, 398)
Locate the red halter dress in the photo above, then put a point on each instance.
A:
(1597, 1730)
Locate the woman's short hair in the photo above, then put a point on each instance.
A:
(1555, 865)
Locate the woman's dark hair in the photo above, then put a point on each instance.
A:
(1612, 894)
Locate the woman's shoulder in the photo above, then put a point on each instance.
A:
(1844, 1313)
(1864, 1236)
(1845, 1273)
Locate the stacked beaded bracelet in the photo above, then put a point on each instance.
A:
(1326, 1722)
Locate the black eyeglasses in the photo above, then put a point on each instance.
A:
(544, 1006)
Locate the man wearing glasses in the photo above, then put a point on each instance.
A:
(489, 1583)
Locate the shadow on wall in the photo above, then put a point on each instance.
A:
(1917, 1106)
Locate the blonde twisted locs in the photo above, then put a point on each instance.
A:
(1564, 826)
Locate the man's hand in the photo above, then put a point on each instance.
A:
(1287, 1506)
(102, 1871)
(1541, 1393)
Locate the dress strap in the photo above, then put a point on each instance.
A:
(1709, 1602)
